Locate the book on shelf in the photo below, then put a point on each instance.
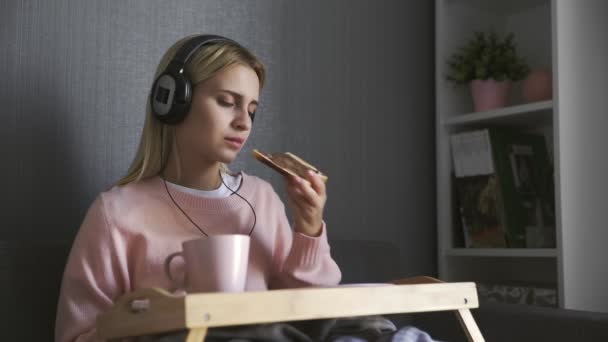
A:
(504, 184)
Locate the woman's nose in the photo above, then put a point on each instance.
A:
(242, 120)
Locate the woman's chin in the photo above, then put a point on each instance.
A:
(227, 157)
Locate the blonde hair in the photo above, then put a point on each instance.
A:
(157, 138)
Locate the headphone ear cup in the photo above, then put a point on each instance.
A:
(181, 101)
(170, 98)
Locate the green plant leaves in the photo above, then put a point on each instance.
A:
(487, 56)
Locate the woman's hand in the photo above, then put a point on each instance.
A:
(306, 202)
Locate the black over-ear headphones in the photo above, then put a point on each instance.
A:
(172, 90)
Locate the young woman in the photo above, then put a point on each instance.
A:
(179, 188)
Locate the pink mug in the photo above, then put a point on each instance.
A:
(217, 263)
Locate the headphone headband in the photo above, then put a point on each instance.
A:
(192, 45)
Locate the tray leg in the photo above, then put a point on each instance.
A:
(468, 324)
(196, 335)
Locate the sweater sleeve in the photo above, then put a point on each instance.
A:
(301, 260)
(95, 275)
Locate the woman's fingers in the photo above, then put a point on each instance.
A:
(317, 183)
(306, 191)
(307, 199)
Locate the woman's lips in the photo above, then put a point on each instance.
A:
(234, 142)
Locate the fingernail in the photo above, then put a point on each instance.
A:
(311, 172)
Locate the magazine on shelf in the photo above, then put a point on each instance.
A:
(504, 185)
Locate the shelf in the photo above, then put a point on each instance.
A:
(503, 252)
(520, 115)
(503, 7)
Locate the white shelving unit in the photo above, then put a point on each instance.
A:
(529, 114)
(572, 40)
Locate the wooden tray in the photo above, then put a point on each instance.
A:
(152, 310)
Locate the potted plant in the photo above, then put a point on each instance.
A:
(488, 65)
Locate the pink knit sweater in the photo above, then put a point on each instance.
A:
(130, 230)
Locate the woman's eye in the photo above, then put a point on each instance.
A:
(225, 103)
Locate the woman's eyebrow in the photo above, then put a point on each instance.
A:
(233, 93)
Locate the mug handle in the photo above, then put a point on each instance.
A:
(168, 260)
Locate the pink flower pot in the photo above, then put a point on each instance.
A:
(489, 94)
(537, 86)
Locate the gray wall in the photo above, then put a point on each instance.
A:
(349, 88)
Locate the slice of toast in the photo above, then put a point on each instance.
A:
(287, 164)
